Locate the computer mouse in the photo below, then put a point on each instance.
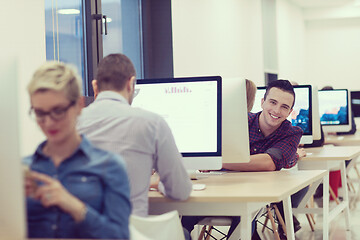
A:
(198, 186)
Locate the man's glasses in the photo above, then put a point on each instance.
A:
(55, 114)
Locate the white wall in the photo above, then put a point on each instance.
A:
(319, 46)
(333, 52)
(216, 37)
(291, 42)
(270, 36)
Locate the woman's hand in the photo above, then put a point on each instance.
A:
(30, 187)
(53, 193)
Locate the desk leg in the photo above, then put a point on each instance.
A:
(326, 199)
(346, 195)
(245, 226)
(289, 218)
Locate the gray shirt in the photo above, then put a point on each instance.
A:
(145, 142)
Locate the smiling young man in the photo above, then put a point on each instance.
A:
(273, 140)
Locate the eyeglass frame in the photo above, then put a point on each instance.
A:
(51, 114)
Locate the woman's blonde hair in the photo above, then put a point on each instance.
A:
(250, 94)
(56, 76)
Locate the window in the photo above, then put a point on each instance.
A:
(81, 32)
(64, 33)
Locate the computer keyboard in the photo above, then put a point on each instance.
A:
(200, 175)
(211, 173)
(196, 174)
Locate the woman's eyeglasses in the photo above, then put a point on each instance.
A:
(55, 114)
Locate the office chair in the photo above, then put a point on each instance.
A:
(208, 226)
(161, 227)
(269, 216)
(280, 221)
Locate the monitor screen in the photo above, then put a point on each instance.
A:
(333, 107)
(301, 115)
(192, 109)
(315, 114)
(355, 103)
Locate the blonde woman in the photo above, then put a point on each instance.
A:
(250, 94)
(73, 190)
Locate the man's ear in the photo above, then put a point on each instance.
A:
(131, 84)
(95, 88)
(262, 102)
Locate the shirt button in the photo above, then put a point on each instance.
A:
(259, 130)
(54, 227)
(255, 149)
(84, 179)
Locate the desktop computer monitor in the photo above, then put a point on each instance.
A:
(235, 132)
(335, 110)
(192, 108)
(12, 207)
(315, 114)
(302, 114)
(355, 103)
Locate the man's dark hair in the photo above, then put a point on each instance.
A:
(327, 88)
(113, 71)
(283, 85)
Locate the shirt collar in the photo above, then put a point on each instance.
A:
(257, 125)
(83, 148)
(276, 132)
(111, 95)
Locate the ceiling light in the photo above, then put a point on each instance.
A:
(68, 11)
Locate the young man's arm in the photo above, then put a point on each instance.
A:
(174, 179)
(258, 162)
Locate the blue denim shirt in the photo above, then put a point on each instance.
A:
(96, 177)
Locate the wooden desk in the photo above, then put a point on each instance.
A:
(330, 153)
(240, 194)
(343, 140)
(326, 158)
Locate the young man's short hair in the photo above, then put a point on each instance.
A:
(283, 85)
(113, 71)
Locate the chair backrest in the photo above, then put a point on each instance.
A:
(160, 227)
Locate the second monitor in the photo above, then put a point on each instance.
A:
(335, 110)
(355, 103)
